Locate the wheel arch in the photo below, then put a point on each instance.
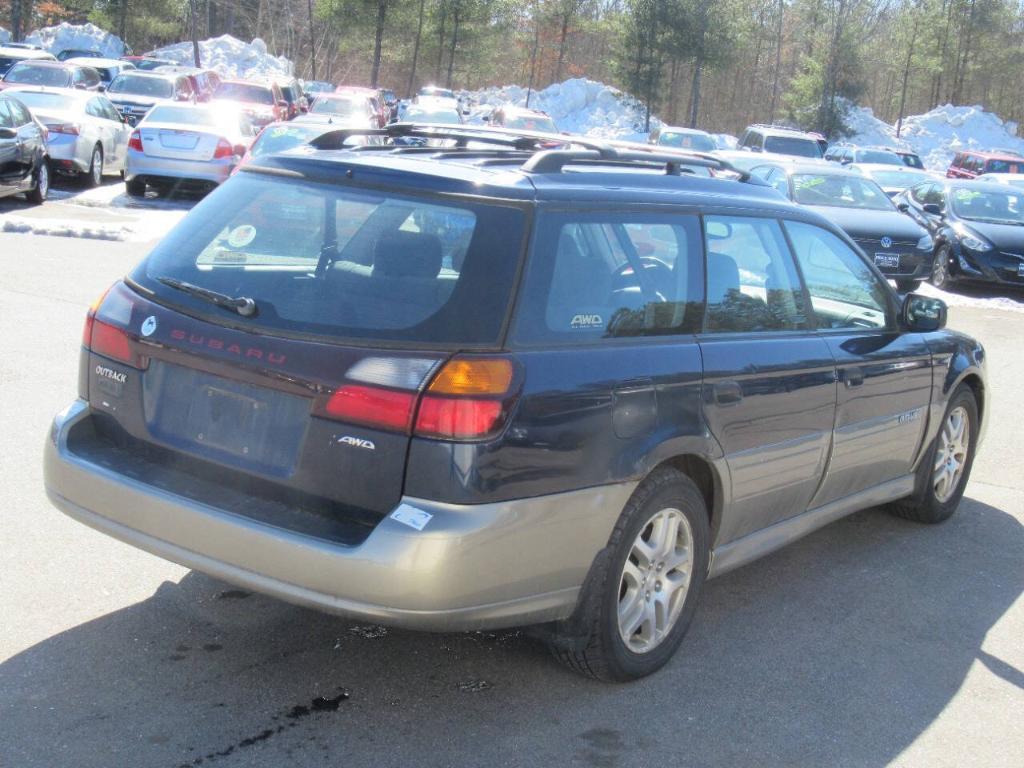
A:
(702, 471)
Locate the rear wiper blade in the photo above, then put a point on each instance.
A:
(243, 305)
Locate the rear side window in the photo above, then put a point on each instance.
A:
(844, 291)
(752, 283)
(345, 263)
(596, 276)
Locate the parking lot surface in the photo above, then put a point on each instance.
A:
(874, 641)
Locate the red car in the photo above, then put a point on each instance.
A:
(379, 107)
(970, 164)
(263, 102)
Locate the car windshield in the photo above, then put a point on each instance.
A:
(792, 145)
(343, 106)
(43, 100)
(257, 94)
(148, 64)
(988, 207)
(279, 138)
(346, 263)
(695, 141)
(447, 116)
(839, 191)
(33, 74)
(1002, 166)
(898, 179)
(142, 85)
(532, 123)
(878, 156)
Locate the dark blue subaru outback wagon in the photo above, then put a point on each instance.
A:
(478, 383)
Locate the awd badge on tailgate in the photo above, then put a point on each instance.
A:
(357, 442)
(148, 326)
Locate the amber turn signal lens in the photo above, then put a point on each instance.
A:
(468, 376)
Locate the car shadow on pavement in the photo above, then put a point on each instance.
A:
(839, 650)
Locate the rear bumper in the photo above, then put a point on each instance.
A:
(71, 153)
(140, 165)
(471, 567)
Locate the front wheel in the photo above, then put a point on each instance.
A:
(646, 590)
(940, 277)
(945, 469)
(41, 188)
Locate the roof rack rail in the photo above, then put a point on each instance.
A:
(547, 152)
(777, 127)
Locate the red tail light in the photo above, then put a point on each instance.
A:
(135, 142)
(106, 339)
(69, 129)
(468, 399)
(224, 149)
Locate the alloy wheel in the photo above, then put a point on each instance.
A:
(655, 580)
(43, 180)
(951, 456)
(96, 169)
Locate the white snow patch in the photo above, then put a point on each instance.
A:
(58, 228)
(5, 36)
(939, 134)
(230, 57)
(577, 106)
(87, 37)
(968, 298)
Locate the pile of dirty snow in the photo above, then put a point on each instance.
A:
(230, 57)
(5, 36)
(577, 106)
(86, 37)
(939, 134)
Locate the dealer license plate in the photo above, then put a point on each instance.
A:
(887, 260)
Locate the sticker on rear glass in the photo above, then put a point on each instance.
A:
(148, 326)
(242, 236)
(586, 321)
(414, 518)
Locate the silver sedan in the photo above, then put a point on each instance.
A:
(87, 138)
(191, 144)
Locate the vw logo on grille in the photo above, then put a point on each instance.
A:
(887, 242)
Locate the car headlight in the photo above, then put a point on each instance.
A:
(925, 243)
(972, 242)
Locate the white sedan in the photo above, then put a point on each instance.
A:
(88, 138)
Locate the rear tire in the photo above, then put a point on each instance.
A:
(135, 187)
(641, 597)
(946, 467)
(94, 176)
(39, 192)
(908, 286)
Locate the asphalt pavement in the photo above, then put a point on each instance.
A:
(874, 641)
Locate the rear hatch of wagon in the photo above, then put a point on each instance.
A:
(278, 343)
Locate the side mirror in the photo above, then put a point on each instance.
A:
(903, 207)
(932, 209)
(8, 133)
(923, 313)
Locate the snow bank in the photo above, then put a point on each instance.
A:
(939, 134)
(87, 37)
(5, 36)
(230, 57)
(578, 106)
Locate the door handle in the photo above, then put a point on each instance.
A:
(728, 392)
(853, 376)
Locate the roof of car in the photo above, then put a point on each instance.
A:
(821, 168)
(26, 53)
(91, 61)
(990, 155)
(780, 130)
(888, 168)
(980, 185)
(51, 63)
(681, 129)
(151, 73)
(71, 93)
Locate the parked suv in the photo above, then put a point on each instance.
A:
(446, 394)
(970, 164)
(780, 140)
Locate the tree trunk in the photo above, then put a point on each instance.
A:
(698, 70)
(192, 31)
(455, 45)
(906, 77)
(122, 20)
(312, 42)
(562, 37)
(440, 41)
(778, 62)
(378, 39)
(533, 53)
(415, 52)
(16, 20)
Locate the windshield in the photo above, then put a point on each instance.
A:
(32, 74)
(877, 156)
(44, 101)
(898, 179)
(990, 207)
(532, 123)
(695, 141)
(839, 191)
(340, 105)
(447, 116)
(141, 85)
(279, 138)
(250, 92)
(345, 263)
(792, 145)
